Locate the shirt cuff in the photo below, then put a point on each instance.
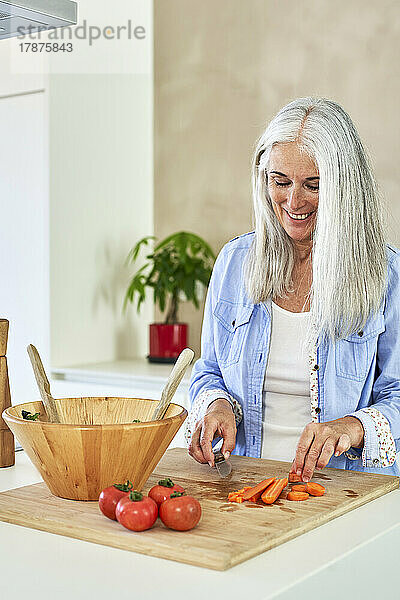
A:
(200, 405)
(379, 446)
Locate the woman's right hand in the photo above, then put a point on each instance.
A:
(219, 421)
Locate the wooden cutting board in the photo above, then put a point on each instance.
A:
(227, 533)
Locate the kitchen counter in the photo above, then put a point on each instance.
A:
(355, 554)
(134, 373)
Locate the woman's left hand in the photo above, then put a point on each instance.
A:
(319, 441)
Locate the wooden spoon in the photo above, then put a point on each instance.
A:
(43, 385)
(176, 375)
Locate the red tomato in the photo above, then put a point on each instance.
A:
(136, 512)
(163, 490)
(110, 497)
(180, 512)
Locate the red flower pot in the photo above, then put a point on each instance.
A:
(167, 341)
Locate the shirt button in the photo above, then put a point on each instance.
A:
(315, 367)
(233, 323)
(360, 333)
(318, 410)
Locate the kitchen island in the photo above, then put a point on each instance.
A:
(355, 554)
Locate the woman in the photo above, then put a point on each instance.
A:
(301, 334)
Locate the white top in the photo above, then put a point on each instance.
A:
(286, 393)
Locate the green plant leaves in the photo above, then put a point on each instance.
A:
(134, 252)
(176, 264)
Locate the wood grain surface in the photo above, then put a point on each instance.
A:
(43, 384)
(4, 325)
(7, 445)
(227, 533)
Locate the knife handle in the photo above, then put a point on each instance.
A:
(218, 456)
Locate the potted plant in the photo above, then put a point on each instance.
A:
(178, 269)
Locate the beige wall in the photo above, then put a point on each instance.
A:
(223, 69)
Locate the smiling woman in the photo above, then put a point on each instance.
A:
(301, 335)
(293, 184)
(293, 193)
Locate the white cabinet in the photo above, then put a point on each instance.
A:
(24, 235)
(76, 194)
(19, 72)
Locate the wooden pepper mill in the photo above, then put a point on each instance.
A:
(7, 447)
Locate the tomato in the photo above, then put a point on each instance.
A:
(163, 490)
(136, 512)
(180, 512)
(110, 497)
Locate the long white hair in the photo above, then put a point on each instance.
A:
(349, 263)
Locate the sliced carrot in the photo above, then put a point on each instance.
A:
(258, 489)
(293, 477)
(315, 489)
(272, 492)
(234, 496)
(297, 496)
(256, 497)
(298, 488)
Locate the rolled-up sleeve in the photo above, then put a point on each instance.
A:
(199, 409)
(381, 420)
(206, 383)
(379, 448)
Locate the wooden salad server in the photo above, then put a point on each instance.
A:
(176, 375)
(43, 385)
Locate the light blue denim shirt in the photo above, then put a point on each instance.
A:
(358, 376)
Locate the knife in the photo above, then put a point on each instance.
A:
(222, 465)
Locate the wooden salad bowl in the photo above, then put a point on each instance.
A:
(96, 444)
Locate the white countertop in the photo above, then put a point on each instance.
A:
(354, 555)
(134, 372)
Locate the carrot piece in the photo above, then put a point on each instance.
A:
(256, 497)
(258, 489)
(315, 489)
(293, 477)
(233, 496)
(298, 488)
(297, 496)
(272, 492)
